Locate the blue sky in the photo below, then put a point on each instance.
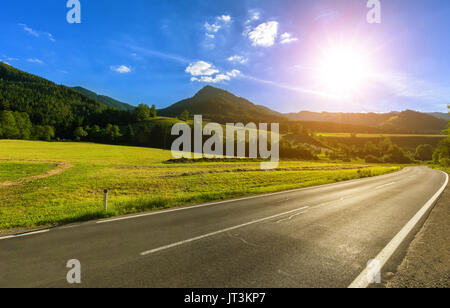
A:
(270, 52)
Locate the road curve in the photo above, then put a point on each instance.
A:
(314, 237)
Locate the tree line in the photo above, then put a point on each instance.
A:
(442, 153)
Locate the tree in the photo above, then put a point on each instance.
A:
(9, 125)
(4, 104)
(396, 154)
(384, 145)
(424, 152)
(153, 112)
(157, 137)
(23, 124)
(129, 135)
(442, 153)
(142, 113)
(185, 116)
(79, 133)
(111, 133)
(371, 159)
(371, 149)
(45, 132)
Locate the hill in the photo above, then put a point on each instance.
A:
(441, 115)
(108, 101)
(402, 122)
(45, 102)
(221, 106)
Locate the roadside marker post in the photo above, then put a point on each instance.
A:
(105, 199)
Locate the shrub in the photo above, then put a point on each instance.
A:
(424, 152)
(445, 161)
(371, 159)
(396, 154)
(364, 173)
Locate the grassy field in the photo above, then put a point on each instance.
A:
(12, 171)
(138, 179)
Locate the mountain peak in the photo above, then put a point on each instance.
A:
(210, 90)
(222, 106)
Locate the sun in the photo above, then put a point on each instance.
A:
(343, 71)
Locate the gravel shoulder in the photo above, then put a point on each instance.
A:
(427, 261)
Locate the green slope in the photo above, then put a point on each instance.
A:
(108, 101)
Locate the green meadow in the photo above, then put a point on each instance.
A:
(138, 179)
(13, 171)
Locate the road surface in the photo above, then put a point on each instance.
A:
(314, 237)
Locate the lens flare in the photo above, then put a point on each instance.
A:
(342, 71)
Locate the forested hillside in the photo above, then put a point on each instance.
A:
(45, 102)
(107, 101)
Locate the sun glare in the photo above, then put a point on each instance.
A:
(342, 72)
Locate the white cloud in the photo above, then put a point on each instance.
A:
(264, 35)
(50, 37)
(159, 54)
(234, 73)
(37, 61)
(238, 59)
(214, 28)
(254, 15)
(201, 68)
(37, 33)
(221, 21)
(29, 30)
(287, 38)
(122, 69)
(202, 71)
(5, 58)
(209, 79)
(224, 18)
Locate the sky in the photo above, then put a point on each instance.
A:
(288, 55)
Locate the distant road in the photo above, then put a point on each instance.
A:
(314, 237)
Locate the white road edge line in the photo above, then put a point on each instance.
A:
(385, 185)
(364, 279)
(245, 198)
(290, 217)
(148, 252)
(24, 234)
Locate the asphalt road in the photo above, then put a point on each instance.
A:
(314, 237)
